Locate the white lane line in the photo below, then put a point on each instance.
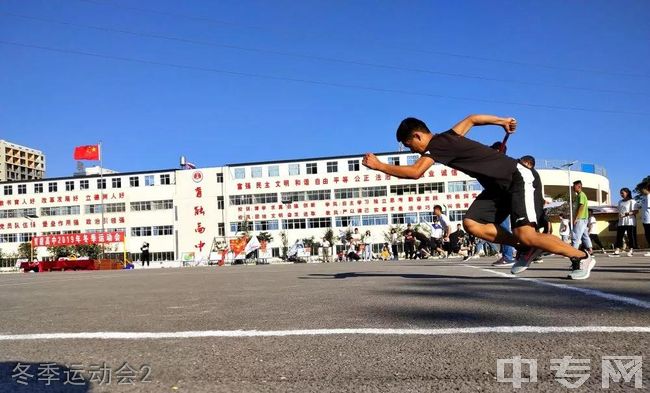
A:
(324, 332)
(586, 291)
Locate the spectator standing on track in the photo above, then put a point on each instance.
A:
(325, 245)
(446, 226)
(409, 242)
(593, 235)
(456, 239)
(145, 253)
(367, 248)
(627, 209)
(645, 214)
(565, 232)
(437, 236)
(580, 218)
(394, 240)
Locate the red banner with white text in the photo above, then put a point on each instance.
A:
(75, 239)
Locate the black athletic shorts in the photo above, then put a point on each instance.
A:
(436, 243)
(523, 201)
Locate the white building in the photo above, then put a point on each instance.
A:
(20, 163)
(180, 212)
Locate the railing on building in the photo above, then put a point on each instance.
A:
(577, 166)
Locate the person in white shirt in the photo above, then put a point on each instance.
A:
(565, 231)
(367, 248)
(325, 245)
(593, 233)
(627, 209)
(645, 214)
(437, 236)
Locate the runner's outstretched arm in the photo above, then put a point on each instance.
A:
(508, 123)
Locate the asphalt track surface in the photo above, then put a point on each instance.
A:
(438, 326)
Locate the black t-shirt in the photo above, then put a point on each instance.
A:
(490, 167)
(408, 236)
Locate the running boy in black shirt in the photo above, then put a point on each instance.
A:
(509, 188)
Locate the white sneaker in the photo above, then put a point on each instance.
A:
(647, 254)
(630, 253)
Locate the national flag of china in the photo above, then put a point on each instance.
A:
(90, 152)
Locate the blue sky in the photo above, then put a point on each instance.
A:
(240, 81)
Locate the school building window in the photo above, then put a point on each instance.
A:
(52, 187)
(319, 195)
(332, 167)
(69, 186)
(428, 188)
(38, 188)
(353, 165)
(240, 173)
(256, 171)
(220, 204)
(411, 159)
(140, 231)
(393, 160)
(296, 196)
(312, 168)
(266, 225)
(221, 229)
(165, 179)
(457, 186)
(162, 230)
(404, 218)
(219, 177)
(101, 184)
(404, 189)
(346, 193)
(9, 190)
(149, 181)
(84, 185)
(239, 226)
(346, 221)
(369, 192)
(294, 223)
(25, 237)
(294, 169)
(319, 222)
(274, 171)
(116, 182)
(457, 215)
(22, 189)
(60, 210)
(8, 238)
(375, 219)
(134, 181)
(473, 185)
(426, 216)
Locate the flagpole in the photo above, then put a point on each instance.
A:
(101, 192)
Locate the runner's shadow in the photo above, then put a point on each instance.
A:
(338, 276)
(18, 376)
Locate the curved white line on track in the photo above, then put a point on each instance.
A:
(323, 332)
(586, 291)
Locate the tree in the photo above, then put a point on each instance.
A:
(92, 251)
(25, 250)
(265, 236)
(60, 251)
(285, 243)
(646, 180)
(246, 227)
(329, 236)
